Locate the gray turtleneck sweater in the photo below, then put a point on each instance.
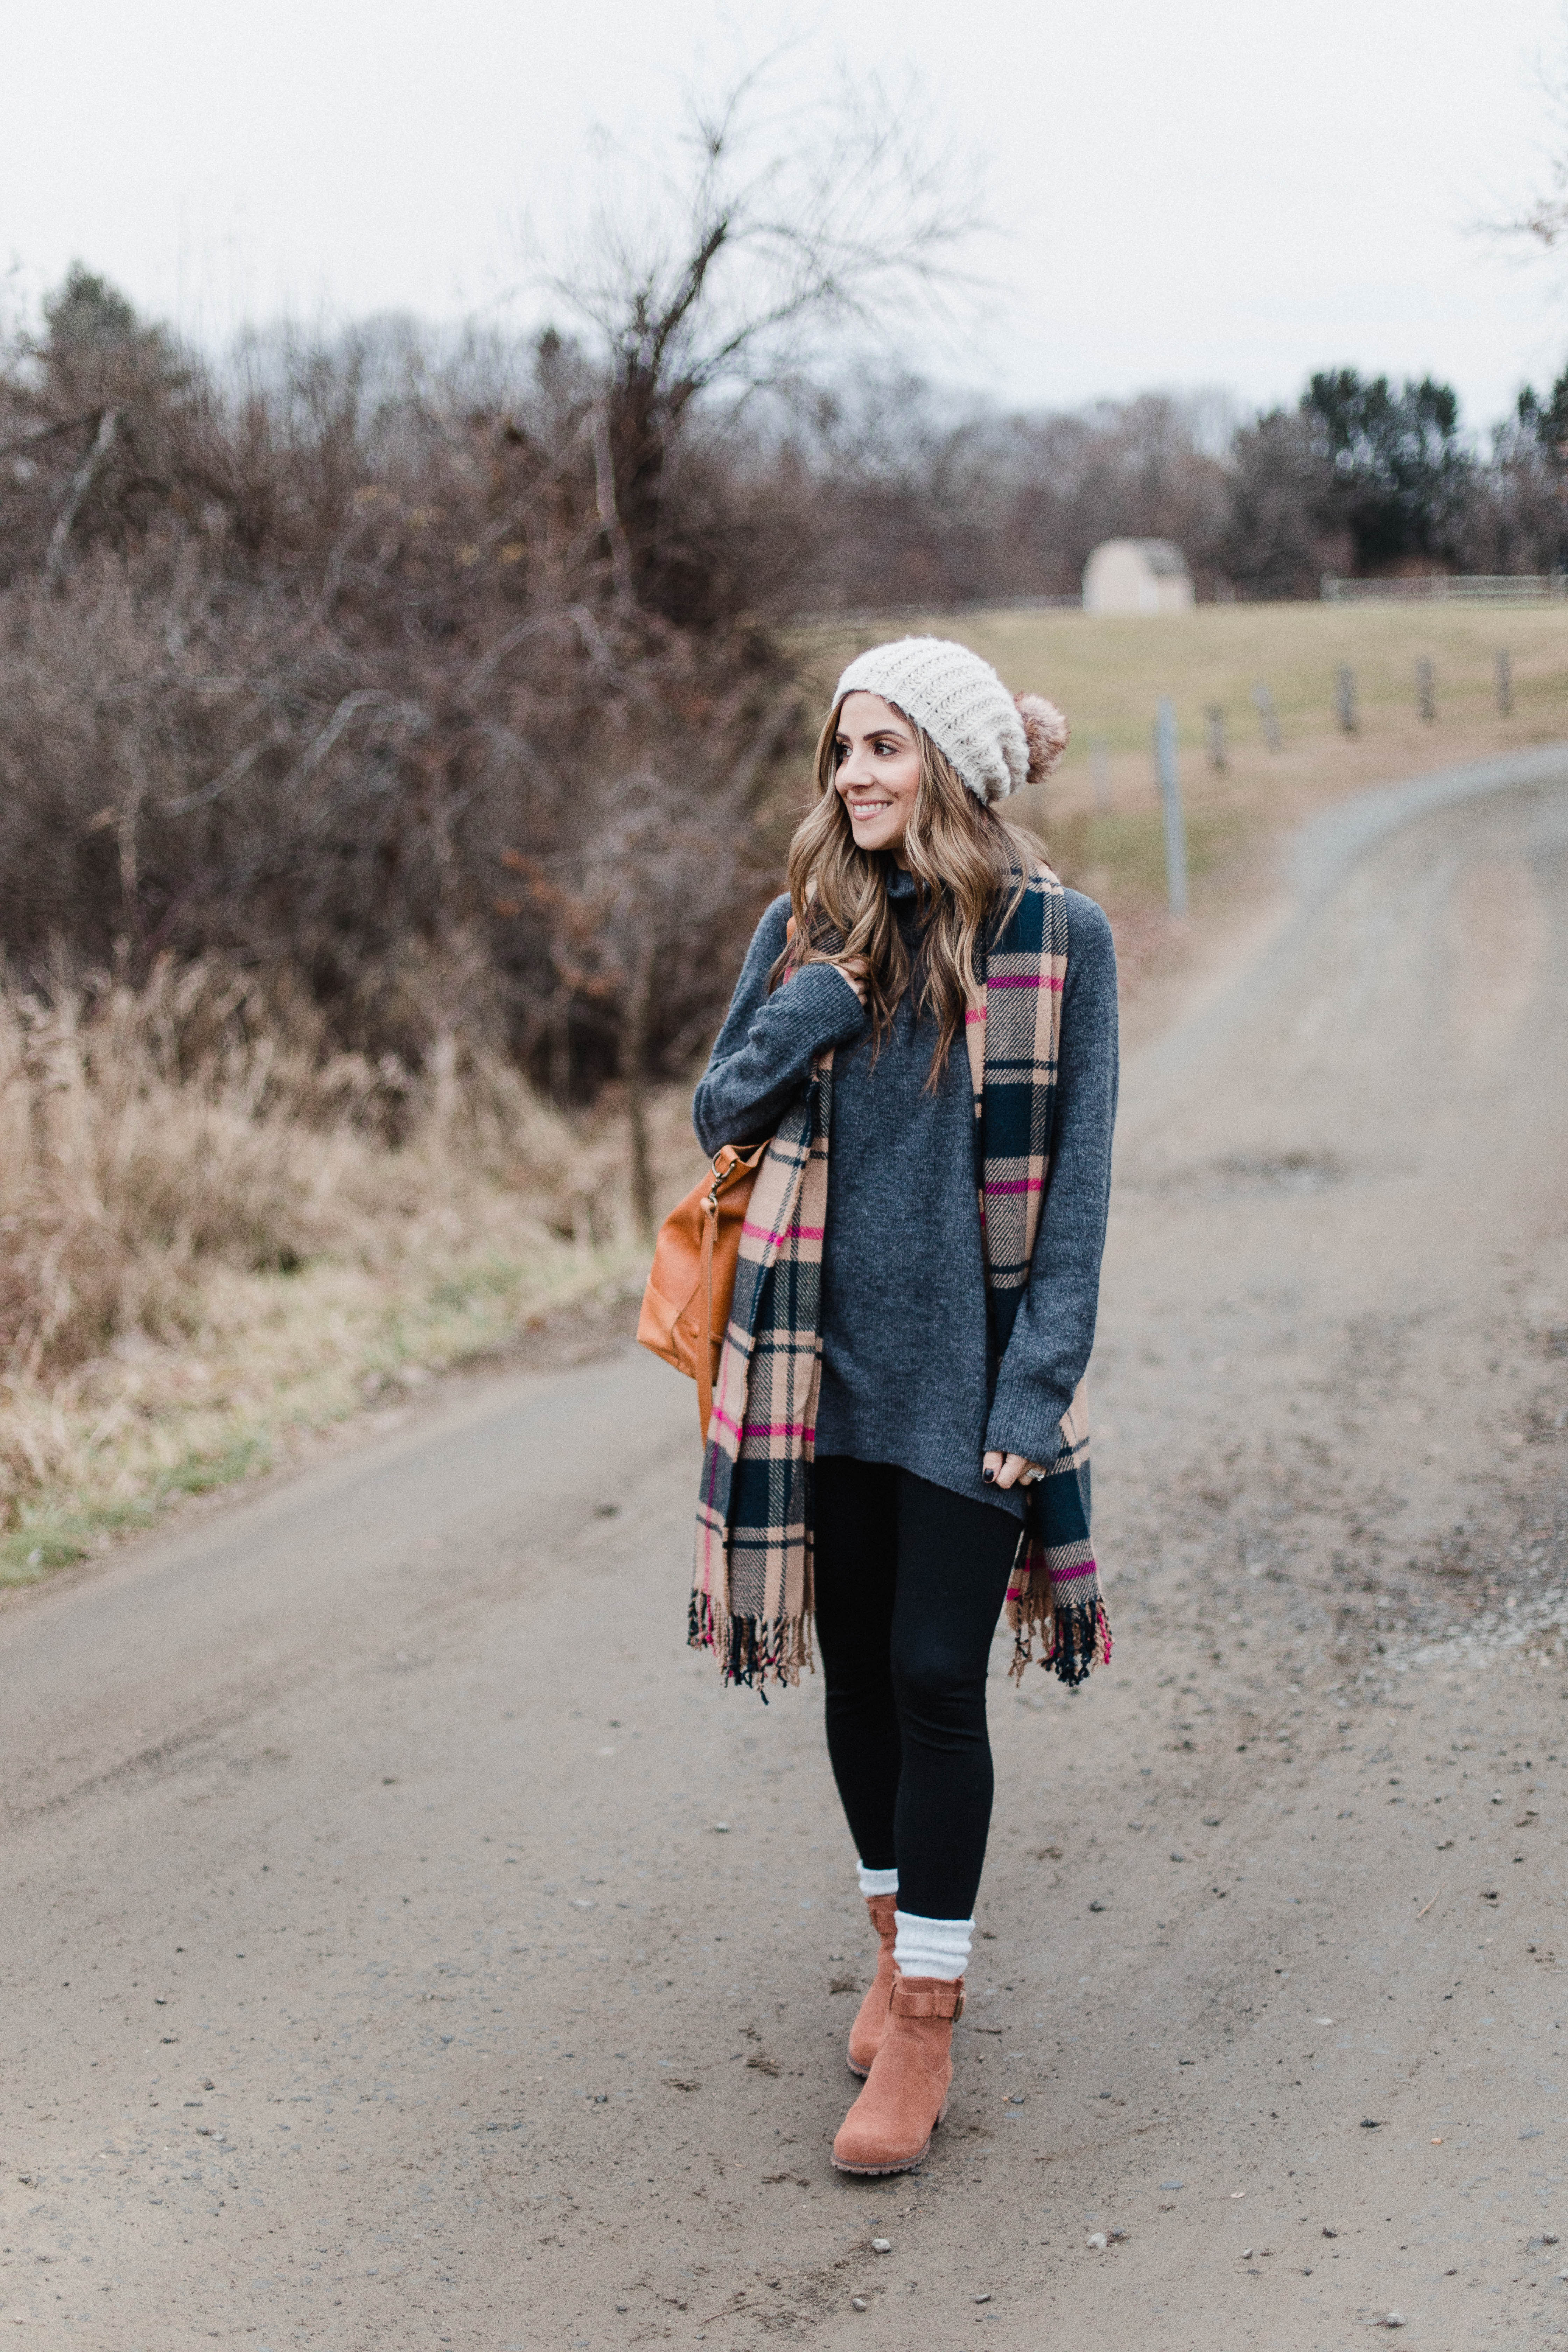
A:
(907, 1370)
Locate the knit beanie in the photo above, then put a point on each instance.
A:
(996, 743)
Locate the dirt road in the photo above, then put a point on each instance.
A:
(407, 1944)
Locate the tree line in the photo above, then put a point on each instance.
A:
(1361, 476)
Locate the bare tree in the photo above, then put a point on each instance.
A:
(702, 289)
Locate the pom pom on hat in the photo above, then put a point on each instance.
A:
(1046, 732)
(996, 744)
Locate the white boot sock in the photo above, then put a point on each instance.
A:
(877, 1882)
(932, 1948)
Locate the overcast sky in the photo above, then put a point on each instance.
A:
(1192, 193)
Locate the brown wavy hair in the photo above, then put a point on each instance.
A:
(969, 866)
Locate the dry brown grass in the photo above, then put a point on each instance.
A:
(215, 1239)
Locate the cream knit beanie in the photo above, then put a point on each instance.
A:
(996, 743)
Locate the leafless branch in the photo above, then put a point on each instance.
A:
(828, 215)
(80, 483)
(570, 616)
(609, 514)
(237, 769)
(46, 429)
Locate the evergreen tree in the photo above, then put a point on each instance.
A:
(1398, 476)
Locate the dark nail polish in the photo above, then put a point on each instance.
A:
(989, 1477)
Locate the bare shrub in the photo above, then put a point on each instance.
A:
(148, 1135)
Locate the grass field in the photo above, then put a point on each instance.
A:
(1109, 675)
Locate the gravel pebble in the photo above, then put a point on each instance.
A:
(881, 2245)
(1095, 2241)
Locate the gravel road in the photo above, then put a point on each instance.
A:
(407, 1944)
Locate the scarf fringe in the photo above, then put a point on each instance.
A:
(1075, 1640)
(754, 1651)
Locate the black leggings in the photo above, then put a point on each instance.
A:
(910, 1580)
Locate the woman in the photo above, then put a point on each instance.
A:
(926, 1028)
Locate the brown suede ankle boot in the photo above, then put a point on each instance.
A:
(865, 2033)
(888, 2128)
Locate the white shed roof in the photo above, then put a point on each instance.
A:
(1163, 555)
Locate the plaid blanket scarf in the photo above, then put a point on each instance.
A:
(752, 1592)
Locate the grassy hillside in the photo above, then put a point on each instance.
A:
(1109, 674)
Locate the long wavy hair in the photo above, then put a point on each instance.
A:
(969, 866)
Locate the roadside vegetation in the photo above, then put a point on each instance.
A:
(218, 1240)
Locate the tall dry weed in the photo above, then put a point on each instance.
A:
(148, 1135)
(217, 1234)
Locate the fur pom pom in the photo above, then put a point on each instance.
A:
(1045, 731)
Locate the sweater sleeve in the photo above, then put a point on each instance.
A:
(1048, 1351)
(761, 1057)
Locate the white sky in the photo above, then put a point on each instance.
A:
(1195, 191)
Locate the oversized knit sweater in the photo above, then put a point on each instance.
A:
(908, 1368)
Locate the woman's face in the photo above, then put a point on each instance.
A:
(879, 771)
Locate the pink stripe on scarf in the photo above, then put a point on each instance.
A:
(1020, 1184)
(764, 1428)
(1020, 980)
(1073, 1575)
(789, 1232)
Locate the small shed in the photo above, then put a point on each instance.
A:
(1137, 575)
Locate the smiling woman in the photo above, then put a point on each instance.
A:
(895, 1442)
(878, 756)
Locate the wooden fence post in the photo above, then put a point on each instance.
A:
(1100, 768)
(1344, 699)
(1425, 693)
(1215, 715)
(1171, 801)
(1267, 715)
(1505, 683)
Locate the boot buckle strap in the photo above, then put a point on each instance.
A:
(933, 2000)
